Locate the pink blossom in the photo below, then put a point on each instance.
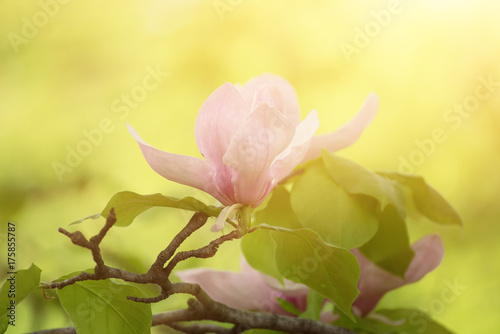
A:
(248, 290)
(251, 137)
(253, 290)
(375, 282)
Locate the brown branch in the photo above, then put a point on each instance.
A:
(79, 239)
(205, 308)
(83, 276)
(198, 220)
(201, 328)
(66, 330)
(203, 253)
(241, 320)
(202, 307)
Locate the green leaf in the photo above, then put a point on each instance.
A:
(25, 282)
(303, 257)
(356, 179)
(322, 205)
(417, 322)
(314, 305)
(427, 200)
(288, 306)
(257, 247)
(399, 321)
(102, 307)
(390, 247)
(129, 205)
(4, 324)
(278, 211)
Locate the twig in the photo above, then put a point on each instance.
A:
(202, 307)
(198, 220)
(66, 330)
(204, 252)
(200, 328)
(241, 320)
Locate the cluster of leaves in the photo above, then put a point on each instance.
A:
(311, 222)
(405, 321)
(306, 229)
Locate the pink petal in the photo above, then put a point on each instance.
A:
(293, 292)
(288, 288)
(346, 135)
(289, 158)
(190, 171)
(219, 117)
(252, 274)
(328, 317)
(282, 93)
(262, 93)
(265, 133)
(375, 282)
(429, 252)
(242, 291)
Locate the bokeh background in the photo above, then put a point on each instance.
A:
(67, 67)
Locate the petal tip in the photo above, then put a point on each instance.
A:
(134, 133)
(216, 228)
(370, 106)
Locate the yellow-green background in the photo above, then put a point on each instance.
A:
(64, 80)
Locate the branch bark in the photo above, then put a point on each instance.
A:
(241, 320)
(201, 307)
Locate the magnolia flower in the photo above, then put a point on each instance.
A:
(248, 290)
(375, 282)
(251, 137)
(253, 290)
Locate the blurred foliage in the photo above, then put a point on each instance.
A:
(72, 69)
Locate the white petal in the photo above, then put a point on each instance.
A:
(227, 212)
(287, 160)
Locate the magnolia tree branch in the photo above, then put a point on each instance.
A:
(201, 307)
(241, 321)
